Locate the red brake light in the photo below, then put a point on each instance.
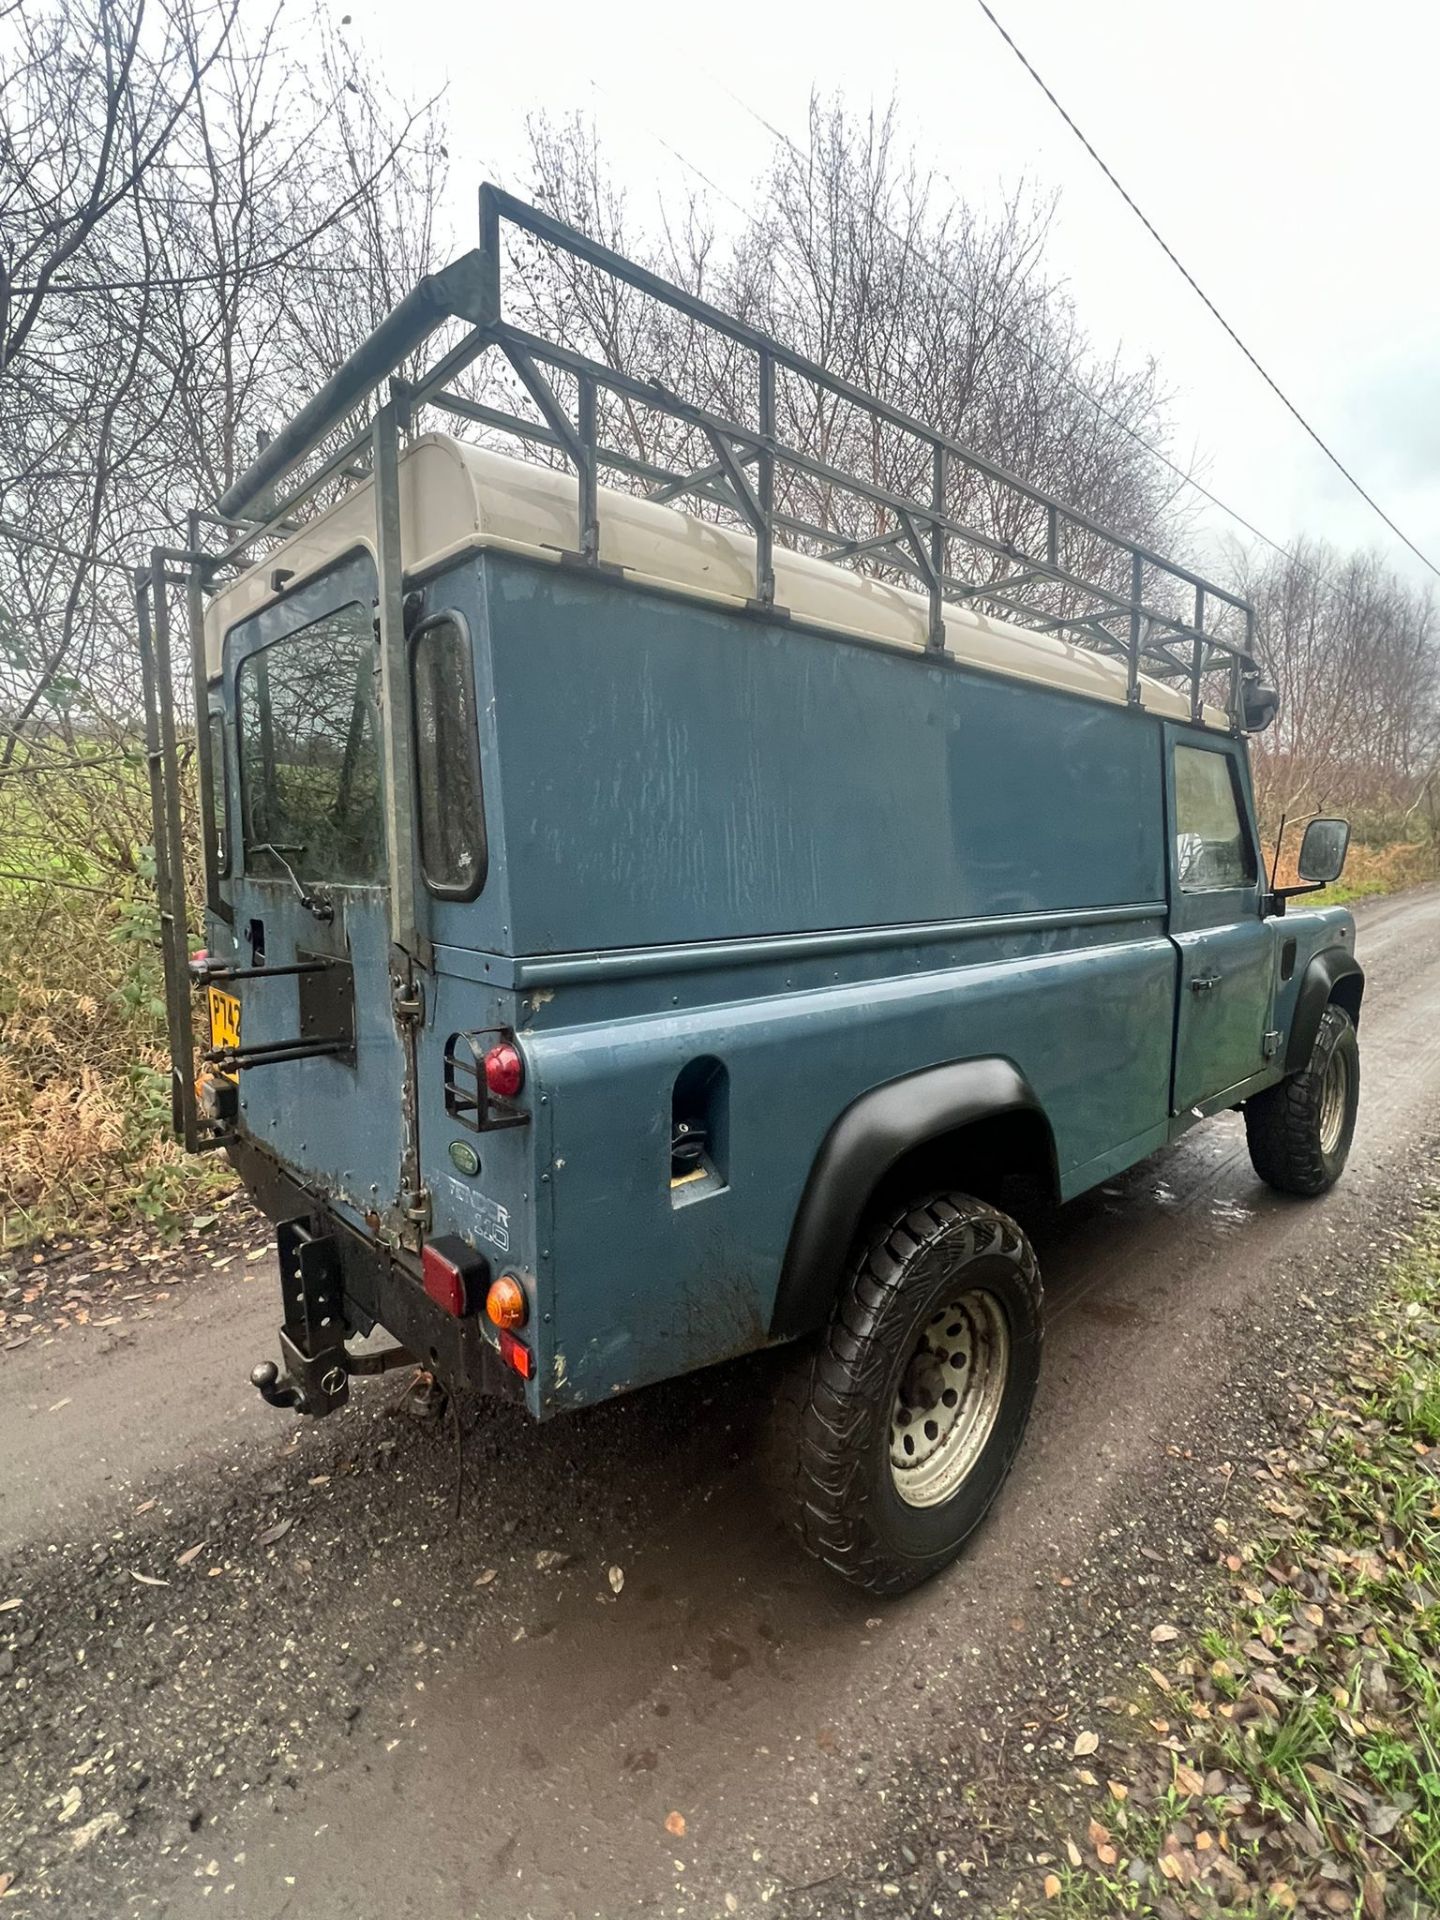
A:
(444, 1282)
(454, 1275)
(504, 1071)
(517, 1355)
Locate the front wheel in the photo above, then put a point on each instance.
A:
(1299, 1132)
(899, 1425)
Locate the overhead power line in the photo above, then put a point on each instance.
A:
(1184, 271)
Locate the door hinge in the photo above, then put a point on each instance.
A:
(1271, 1045)
(408, 1001)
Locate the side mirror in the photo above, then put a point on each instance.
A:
(1258, 705)
(1322, 851)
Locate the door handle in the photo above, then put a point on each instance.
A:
(1203, 982)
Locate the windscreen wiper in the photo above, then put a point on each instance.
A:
(319, 903)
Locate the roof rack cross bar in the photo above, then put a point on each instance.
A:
(649, 394)
(544, 226)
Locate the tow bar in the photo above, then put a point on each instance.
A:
(316, 1362)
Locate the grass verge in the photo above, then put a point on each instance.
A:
(1291, 1761)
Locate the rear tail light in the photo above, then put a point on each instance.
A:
(515, 1354)
(454, 1275)
(504, 1071)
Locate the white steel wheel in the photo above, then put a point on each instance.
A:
(1334, 1101)
(948, 1399)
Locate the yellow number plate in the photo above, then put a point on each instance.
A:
(224, 1020)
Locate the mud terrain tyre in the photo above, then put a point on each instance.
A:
(1299, 1132)
(897, 1426)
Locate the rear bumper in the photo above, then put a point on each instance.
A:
(381, 1288)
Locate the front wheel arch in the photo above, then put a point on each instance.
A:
(1334, 975)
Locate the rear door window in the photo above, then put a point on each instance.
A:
(1213, 850)
(310, 752)
(447, 759)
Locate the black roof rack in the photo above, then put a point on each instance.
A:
(1158, 616)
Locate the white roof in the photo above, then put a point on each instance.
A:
(455, 497)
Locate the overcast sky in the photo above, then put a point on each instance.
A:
(1286, 151)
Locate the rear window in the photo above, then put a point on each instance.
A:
(1212, 848)
(447, 760)
(310, 752)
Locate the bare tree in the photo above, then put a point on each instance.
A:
(1354, 652)
(871, 266)
(195, 227)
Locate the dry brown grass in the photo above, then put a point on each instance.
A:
(1369, 870)
(84, 1081)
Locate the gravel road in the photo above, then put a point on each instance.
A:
(255, 1666)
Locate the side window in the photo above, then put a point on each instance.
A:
(1212, 847)
(447, 759)
(221, 787)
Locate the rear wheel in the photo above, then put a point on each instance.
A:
(1299, 1132)
(899, 1425)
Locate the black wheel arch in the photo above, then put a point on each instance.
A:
(1334, 974)
(914, 1117)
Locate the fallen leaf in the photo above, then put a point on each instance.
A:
(1118, 1790)
(9, 1606)
(7, 1880)
(675, 1824)
(148, 1579)
(1159, 1635)
(547, 1559)
(190, 1553)
(1188, 1780)
(1085, 1743)
(106, 1822)
(70, 1805)
(272, 1534)
(1073, 1854)
(62, 1403)
(146, 1505)
(617, 1579)
(484, 1579)
(1052, 1886)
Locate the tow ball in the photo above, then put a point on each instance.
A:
(305, 1394)
(319, 1387)
(315, 1360)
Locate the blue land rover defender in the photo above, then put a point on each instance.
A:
(654, 921)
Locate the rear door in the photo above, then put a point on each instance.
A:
(1226, 947)
(309, 883)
